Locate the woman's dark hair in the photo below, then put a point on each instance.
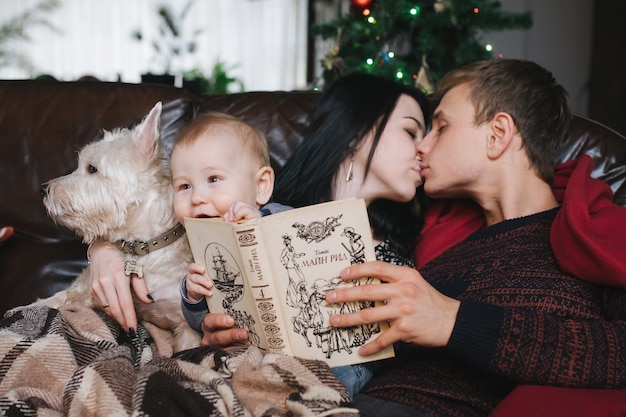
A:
(351, 107)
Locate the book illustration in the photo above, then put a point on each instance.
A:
(317, 231)
(309, 300)
(355, 247)
(289, 260)
(225, 273)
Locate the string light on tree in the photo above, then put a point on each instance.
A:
(412, 41)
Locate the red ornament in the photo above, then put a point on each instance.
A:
(359, 7)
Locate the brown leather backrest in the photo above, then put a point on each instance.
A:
(282, 116)
(43, 124)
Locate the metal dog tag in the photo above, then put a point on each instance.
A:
(130, 267)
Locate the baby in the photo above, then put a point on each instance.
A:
(220, 168)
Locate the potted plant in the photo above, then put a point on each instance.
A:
(172, 44)
(219, 82)
(15, 30)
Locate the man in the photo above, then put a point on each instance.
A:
(495, 310)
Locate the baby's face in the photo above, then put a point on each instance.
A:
(210, 175)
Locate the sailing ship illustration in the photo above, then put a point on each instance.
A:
(224, 273)
(227, 279)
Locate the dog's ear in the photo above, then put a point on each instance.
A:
(147, 133)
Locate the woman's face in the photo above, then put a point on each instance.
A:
(394, 172)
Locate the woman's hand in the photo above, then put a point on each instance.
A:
(218, 330)
(111, 288)
(417, 313)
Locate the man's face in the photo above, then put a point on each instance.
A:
(453, 152)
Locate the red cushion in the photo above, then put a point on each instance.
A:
(545, 401)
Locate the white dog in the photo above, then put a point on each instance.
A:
(121, 192)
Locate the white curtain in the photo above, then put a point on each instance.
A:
(263, 43)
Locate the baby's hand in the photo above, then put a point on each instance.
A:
(241, 211)
(198, 283)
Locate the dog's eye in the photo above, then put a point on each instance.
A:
(92, 169)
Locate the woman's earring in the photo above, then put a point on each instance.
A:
(349, 175)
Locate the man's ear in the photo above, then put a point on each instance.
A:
(501, 133)
(264, 185)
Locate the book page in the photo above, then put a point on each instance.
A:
(308, 247)
(214, 245)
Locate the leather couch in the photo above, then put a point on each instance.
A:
(44, 123)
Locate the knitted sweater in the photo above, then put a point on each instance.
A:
(522, 320)
(588, 234)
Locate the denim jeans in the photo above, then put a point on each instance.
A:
(354, 377)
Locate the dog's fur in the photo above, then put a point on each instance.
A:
(122, 190)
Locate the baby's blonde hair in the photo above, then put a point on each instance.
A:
(251, 138)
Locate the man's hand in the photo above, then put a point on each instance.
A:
(416, 312)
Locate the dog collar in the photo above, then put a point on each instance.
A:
(140, 248)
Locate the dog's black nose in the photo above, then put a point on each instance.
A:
(43, 189)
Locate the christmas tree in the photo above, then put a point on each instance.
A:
(413, 41)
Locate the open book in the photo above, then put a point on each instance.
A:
(271, 275)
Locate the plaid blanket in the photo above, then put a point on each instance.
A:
(77, 362)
